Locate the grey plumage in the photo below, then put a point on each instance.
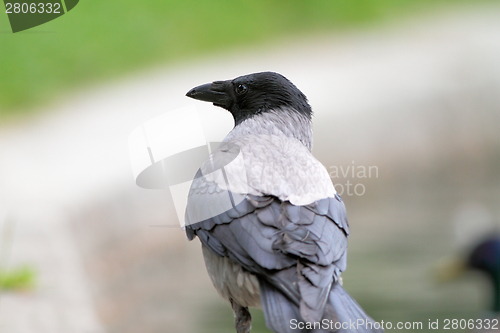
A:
(273, 231)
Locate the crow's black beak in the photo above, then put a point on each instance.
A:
(215, 92)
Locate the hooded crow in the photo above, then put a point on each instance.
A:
(272, 227)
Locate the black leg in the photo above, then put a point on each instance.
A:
(242, 318)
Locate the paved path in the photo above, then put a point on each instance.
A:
(76, 152)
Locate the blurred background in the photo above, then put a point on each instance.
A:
(407, 91)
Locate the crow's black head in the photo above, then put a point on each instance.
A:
(252, 94)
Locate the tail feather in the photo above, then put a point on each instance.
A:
(342, 313)
(279, 311)
(350, 316)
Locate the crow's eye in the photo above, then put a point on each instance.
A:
(240, 89)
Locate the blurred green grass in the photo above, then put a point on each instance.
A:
(101, 40)
(20, 279)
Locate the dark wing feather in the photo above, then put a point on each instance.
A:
(299, 250)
